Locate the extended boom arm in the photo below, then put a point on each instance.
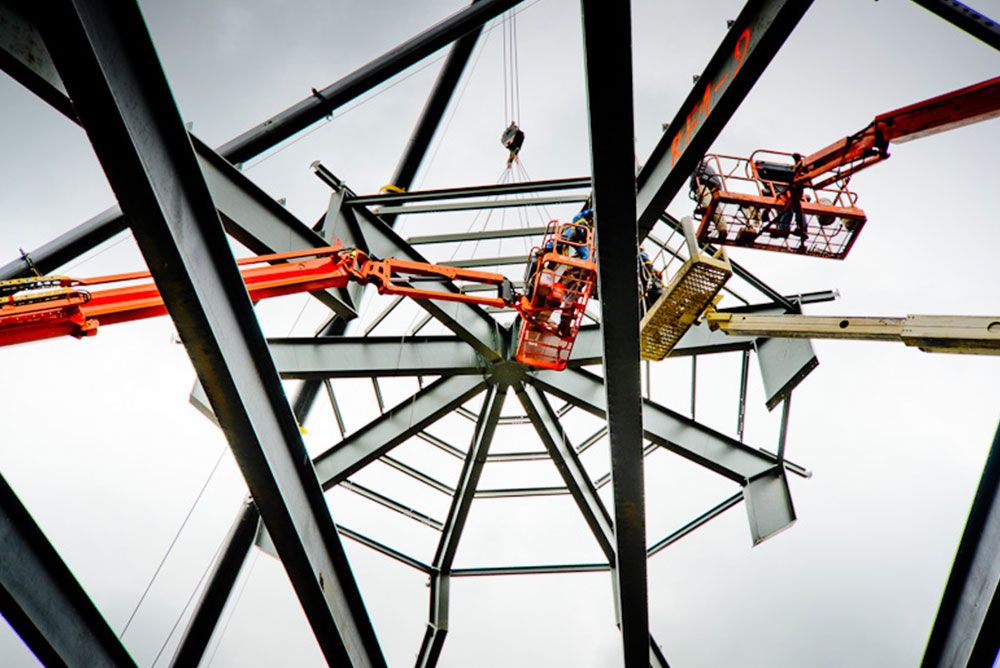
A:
(973, 335)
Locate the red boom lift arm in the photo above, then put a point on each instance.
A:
(32, 309)
(753, 202)
(44, 307)
(965, 106)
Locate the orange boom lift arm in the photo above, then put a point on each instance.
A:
(43, 307)
(32, 309)
(789, 203)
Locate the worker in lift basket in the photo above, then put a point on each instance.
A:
(705, 182)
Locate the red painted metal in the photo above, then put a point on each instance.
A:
(47, 307)
(560, 280)
(810, 210)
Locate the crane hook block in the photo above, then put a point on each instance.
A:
(512, 139)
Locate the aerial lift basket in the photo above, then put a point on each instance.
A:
(560, 279)
(752, 203)
(692, 289)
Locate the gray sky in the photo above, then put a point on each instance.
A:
(101, 445)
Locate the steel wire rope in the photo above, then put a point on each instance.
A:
(180, 615)
(173, 542)
(438, 141)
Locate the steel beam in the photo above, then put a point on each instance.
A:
(383, 549)
(564, 456)
(42, 600)
(374, 356)
(433, 111)
(107, 61)
(752, 41)
(607, 32)
(548, 569)
(444, 557)
(24, 56)
(324, 102)
(965, 631)
(213, 599)
(467, 321)
(395, 426)
(695, 442)
(673, 431)
(491, 190)
(458, 237)
(698, 341)
(965, 18)
(481, 204)
(248, 213)
(473, 262)
(696, 523)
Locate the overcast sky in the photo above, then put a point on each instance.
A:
(100, 443)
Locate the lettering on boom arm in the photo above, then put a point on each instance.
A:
(699, 112)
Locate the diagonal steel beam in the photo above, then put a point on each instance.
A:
(433, 111)
(749, 46)
(444, 557)
(395, 426)
(323, 102)
(765, 486)
(42, 600)
(965, 18)
(970, 605)
(249, 214)
(201, 627)
(469, 322)
(607, 32)
(107, 61)
(374, 356)
(677, 433)
(564, 456)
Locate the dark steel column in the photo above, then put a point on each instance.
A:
(107, 61)
(323, 102)
(755, 37)
(966, 18)
(608, 41)
(42, 600)
(965, 631)
(437, 625)
(226, 569)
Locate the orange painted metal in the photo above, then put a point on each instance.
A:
(61, 306)
(810, 210)
(560, 280)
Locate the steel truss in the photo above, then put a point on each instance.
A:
(93, 61)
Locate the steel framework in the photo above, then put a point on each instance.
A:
(94, 62)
